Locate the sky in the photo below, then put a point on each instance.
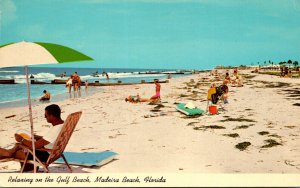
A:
(166, 34)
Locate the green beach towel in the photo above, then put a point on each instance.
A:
(189, 111)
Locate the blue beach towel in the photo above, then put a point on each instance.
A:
(87, 158)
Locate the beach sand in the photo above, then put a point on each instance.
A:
(258, 132)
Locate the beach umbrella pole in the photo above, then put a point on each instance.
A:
(30, 117)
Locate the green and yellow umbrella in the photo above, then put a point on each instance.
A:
(35, 53)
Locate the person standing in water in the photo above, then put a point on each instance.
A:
(86, 83)
(69, 83)
(76, 81)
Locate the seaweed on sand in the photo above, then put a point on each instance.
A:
(293, 95)
(290, 126)
(274, 135)
(271, 143)
(155, 110)
(159, 106)
(193, 99)
(183, 95)
(279, 84)
(189, 117)
(242, 127)
(209, 127)
(242, 146)
(237, 119)
(263, 133)
(292, 91)
(249, 76)
(192, 123)
(296, 104)
(233, 135)
(10, 116)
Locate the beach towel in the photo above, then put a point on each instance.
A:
(88, 158)
(189, 111)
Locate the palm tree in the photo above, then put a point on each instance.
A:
(289, 62)
(295, 63)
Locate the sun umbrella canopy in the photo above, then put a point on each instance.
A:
(32, 53)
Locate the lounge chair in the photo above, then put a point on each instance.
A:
(58, 148)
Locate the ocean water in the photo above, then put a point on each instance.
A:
(12, 95)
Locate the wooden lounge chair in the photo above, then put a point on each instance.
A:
(58, 148)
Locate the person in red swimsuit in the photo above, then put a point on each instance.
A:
(157, 90)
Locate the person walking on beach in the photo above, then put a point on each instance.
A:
(52, 115)
(157, 90)
(76, 81)
(46, 96)
(86, 83)
(69, 83)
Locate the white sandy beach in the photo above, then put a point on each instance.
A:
(167, 141)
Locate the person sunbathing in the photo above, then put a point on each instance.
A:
(137, 98)
(226, 79)
(52, 115)
(237, 80)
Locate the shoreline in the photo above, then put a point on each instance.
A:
(258, 132)
(54, 98)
